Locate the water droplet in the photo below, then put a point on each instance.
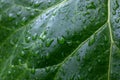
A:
(19, 13)
(11, 16)
(24, 19)
(33, 70)
(40, 45)
(89, 69)
(28, 8)
(36, 4)
(27, 39)
(43, 35)
(113, 12)
(34, 37)
(54, 14)
(61, 40)
(19, 60)
(32, 14)
(22, 53)
(91, 6)
(9, 72)
(12, 66)
(49, 42)
(47, 55)
(78, 77)
(47, 69)
(91, 40)
(12, 43)
(99, 60)
(69, 43)
(25, 65)
(105, 38)
(84, 20)
(117, 20)
(27, 47)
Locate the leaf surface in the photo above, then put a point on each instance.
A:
(59, 40)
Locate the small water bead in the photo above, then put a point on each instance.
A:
(89, 69)
(117, 20)
(24, 19)
(19, 60)
(98, 60)
(25, 65)
(49, 42)
(12, 66)
(28, 8)
(40, 45)
(34, 37)
(12, 43)
(113, 12)
(32, 14)
(9, 72)
(27, 39)
(47, 69)
(92, 40)
(33, 70)
(69, 43)
(27, 47)
(61, 40)
(11, 16)
(43, 35)
(19, 13)
(36, 4)
(22, 53)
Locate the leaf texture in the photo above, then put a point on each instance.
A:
(59, 39)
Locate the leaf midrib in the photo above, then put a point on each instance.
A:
(111, 38)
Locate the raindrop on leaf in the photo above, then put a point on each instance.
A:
(11, 16)
(19, 13)
(91, 40)
(34, 37)
(49, 42)
(27, 39)
(47, 69)
(113, 12)
(117, 20)
(89, 69)
(36, 4)
(33, 70)
(61, 40)
(9, 72)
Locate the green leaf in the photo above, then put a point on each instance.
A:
(59, 39)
